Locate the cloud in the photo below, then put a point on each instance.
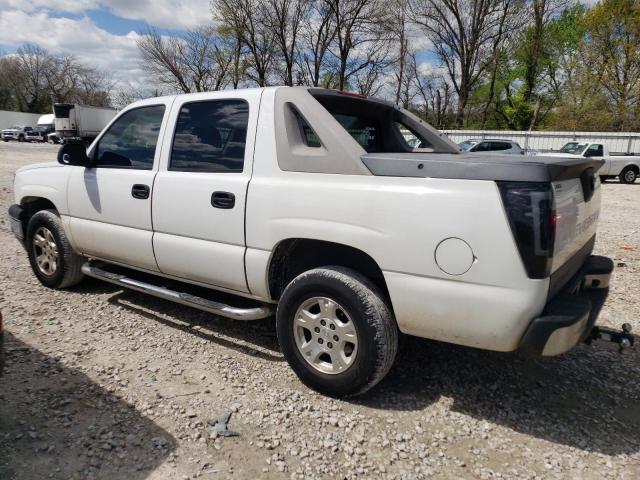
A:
(160, 13)
(71, 6)
(163, 13)
(116, 54)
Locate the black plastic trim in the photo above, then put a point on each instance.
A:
(571, 306)
(16, 219)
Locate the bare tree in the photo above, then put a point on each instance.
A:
(462, 32)
(285, 19)
(32, 79)
(247, 19)
(196, 61)
(435, 93)
(358, 25)
(318, 33)
(398, 27)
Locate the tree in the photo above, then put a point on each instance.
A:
(612, 49)
(247, 20)
(197, 61)
(285, 19)
(462, 32)
(358, 26)
(435, 93)
(33, 79)
(319, 31)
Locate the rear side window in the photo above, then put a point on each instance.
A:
(497, 146)
(210, 136)
(309, 136)
(131, 141)
(482, 147)
(594, 150)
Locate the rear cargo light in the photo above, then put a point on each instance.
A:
(532, 217)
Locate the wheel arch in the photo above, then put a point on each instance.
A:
(31, 205)
(632, 166)
(293, 256)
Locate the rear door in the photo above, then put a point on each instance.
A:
(110, 204)
(200, 191)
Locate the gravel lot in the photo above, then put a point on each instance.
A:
(104, 383)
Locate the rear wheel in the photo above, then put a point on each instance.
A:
(336, 331)
(628, 175)
(21, 138)
(52, 258)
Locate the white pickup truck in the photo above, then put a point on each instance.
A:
(626, 167)
(312, 204)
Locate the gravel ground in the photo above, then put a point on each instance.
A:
(104, 383)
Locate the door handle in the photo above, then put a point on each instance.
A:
(140, 191)
(225, 200)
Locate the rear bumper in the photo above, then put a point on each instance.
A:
(568, 318)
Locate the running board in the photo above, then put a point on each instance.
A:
(217, 308)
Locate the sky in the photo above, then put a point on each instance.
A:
(99, 33)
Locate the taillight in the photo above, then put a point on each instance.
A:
(531, 213)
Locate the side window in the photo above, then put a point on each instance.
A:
(594, 150)
(131, 141)
(482, 147)
(309, 136)
(500, 146)
(210, 136)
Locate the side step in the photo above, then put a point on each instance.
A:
(217, 308)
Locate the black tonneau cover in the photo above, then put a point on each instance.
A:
(478, 167)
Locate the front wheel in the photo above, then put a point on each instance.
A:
(52, 258)
(628, 175)
(336, 331)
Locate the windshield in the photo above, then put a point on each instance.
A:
(574, 148)
(467, 144)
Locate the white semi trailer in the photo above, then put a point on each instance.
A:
(75, 122)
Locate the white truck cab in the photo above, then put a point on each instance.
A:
(626, 167)
(311, 204)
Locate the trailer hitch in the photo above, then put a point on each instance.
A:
(625, 339)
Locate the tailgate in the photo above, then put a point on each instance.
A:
(576, 216)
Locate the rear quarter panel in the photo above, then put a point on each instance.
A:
(399, 222)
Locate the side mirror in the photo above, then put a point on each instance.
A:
(73, 154)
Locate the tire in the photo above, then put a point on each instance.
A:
(21, 138)
(65, 271)
(628, 175)
(358, 309)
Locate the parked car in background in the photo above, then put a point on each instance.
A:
(311, 204)
(80, 123)
(625, 167)
(16, 132)
(42, 129)
(483, 145)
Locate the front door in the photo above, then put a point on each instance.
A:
(200, 190)
(110, 203)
